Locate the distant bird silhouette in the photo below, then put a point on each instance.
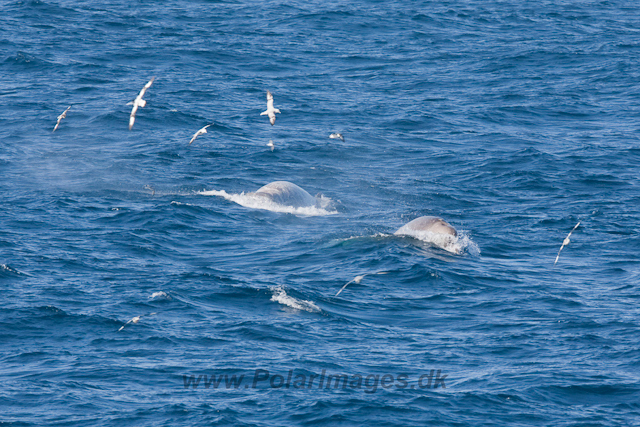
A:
(139, 102)
(270, 144)
(270, 111)
(60, 117)
(200, 132)
(358, 279)
(135, 320)
(566, 242)
(150, 188)
(336, 136)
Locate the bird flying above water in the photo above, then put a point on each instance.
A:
(150, 188)
(200, 132)
(139, 102)
(565, 242)
(336, 136)
(358, 279)
(270, 144)
(270, 111)
(60, 117)
(135, 320)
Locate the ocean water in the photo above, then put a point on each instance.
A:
(511, 120)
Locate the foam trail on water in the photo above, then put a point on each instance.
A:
(257, 202)
(280, 296)
(371, 236)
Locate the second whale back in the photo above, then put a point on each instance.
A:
(287, 194)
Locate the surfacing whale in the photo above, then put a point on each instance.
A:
(287, 194)
(280, 196)
(433, 230)
(432, 224)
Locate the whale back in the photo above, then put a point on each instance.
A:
(287, 194)
(432, 224)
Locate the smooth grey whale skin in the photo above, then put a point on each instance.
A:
(287, 194)
(431, 224)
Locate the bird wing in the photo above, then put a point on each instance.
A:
(132, 117)
(342, 289)
(558, 256)
(147, 86)
(574, 228)
(57, 124)
(122, 327)
(200, 132)
(269, 101)
(358, 279)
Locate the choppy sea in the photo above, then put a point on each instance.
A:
(512, 121)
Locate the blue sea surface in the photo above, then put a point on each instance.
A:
(512, 121)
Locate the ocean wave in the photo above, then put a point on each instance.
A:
(12, 271)
(280, 296)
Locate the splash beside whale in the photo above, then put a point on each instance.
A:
(280, 196)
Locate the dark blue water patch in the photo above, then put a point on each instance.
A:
(23, 61)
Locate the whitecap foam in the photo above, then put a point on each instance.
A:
(280, 296)
(159, 295)
(250, 200)
(10, 270)
(174, 203)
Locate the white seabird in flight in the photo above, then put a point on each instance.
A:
(358, 279)
(139, 102)
(150, 188)
(566, 242)
(270, 144)
(60, 117)
(336, 136)
(200, 132)
(271, 112)
(135, 320)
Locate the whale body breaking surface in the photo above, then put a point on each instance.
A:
(431, 224)
(287, 194)
(280, 196)
(434, 230)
